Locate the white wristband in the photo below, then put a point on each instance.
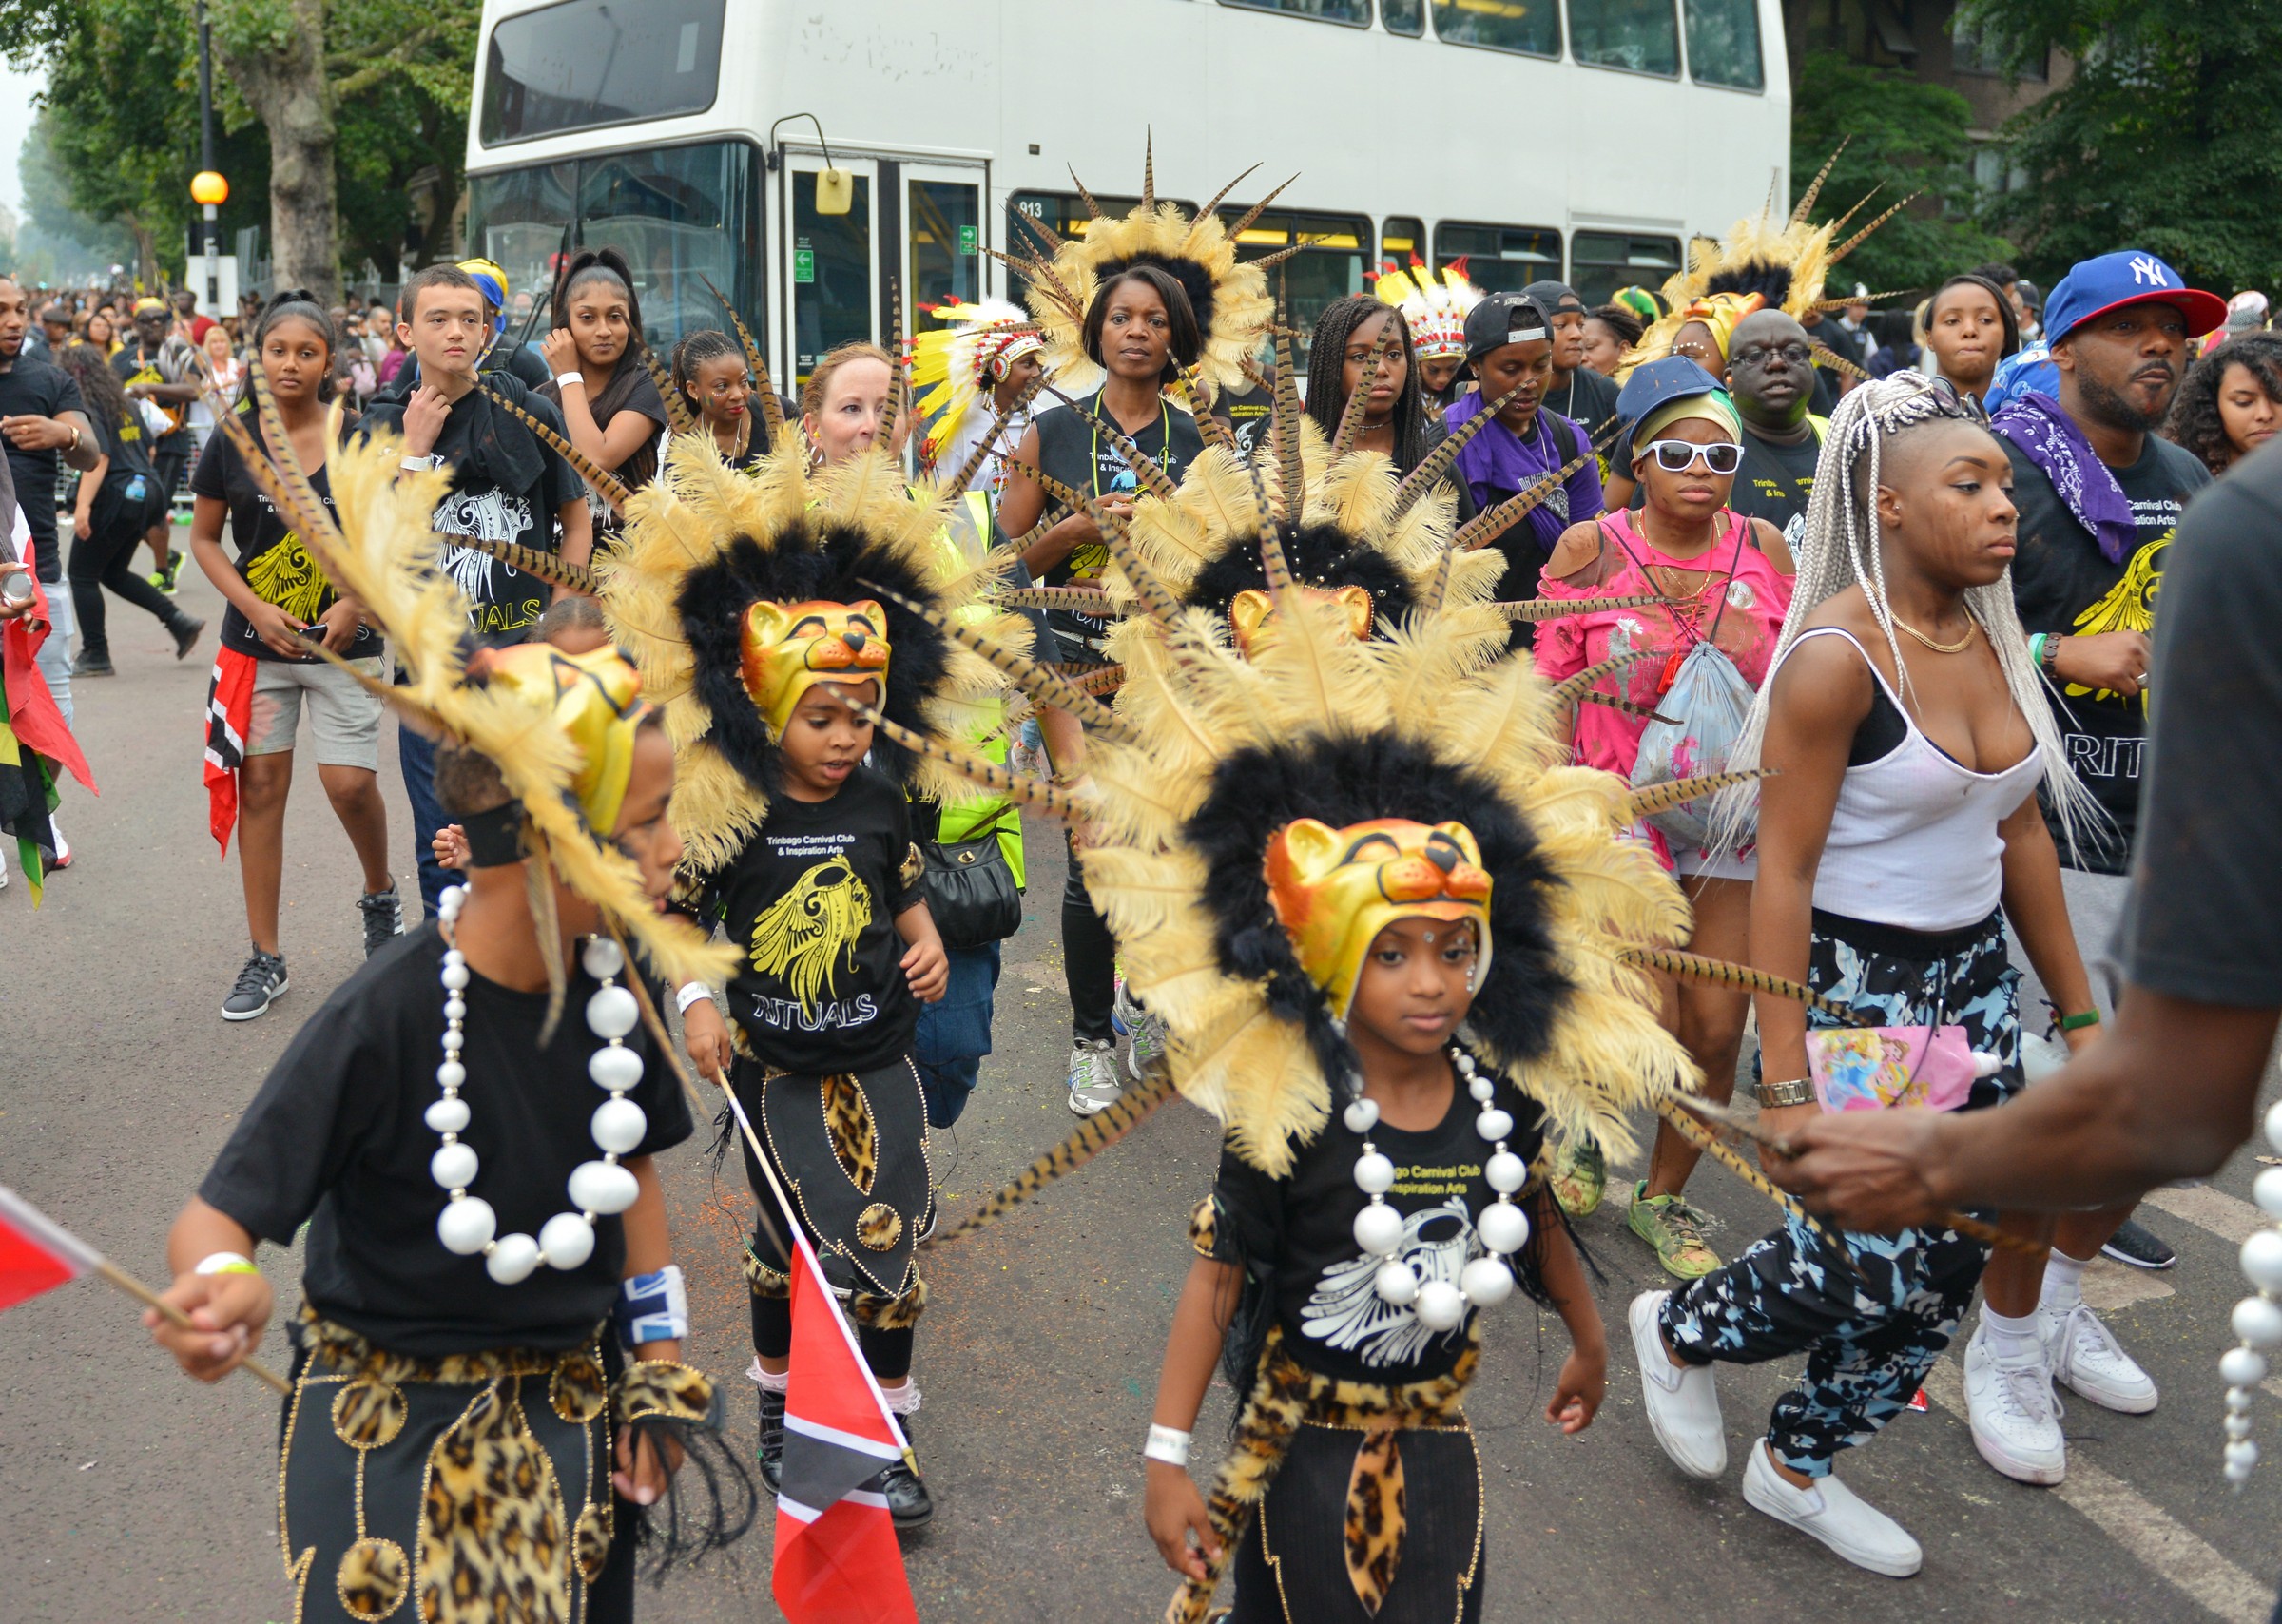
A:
(694, 992)
(1167, 1445)
(417, 464)
(565, 379)
(226, 1263)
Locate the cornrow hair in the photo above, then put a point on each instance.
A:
(1841, 547)
(712, 344)
(2194, 423)
(1328, 374)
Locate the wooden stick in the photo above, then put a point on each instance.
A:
(176, 1317)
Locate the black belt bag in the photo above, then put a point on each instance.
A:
(970, 890)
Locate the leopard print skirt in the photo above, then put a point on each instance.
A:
(473, 1489)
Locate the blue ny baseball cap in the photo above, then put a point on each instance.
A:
(1652, 386)
(2129, 275)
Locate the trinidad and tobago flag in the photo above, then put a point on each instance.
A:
(836, 1559)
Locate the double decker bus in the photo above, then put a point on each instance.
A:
(1584, 140)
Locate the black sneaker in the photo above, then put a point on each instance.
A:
(383, 919)
(185, 628)
(2134, 1246)
(94, 665)
(909, 1504)
(260, 982)
(772, 1439)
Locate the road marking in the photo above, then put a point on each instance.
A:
(2226, 1216)
(2140, 1526)
(2111, 1287)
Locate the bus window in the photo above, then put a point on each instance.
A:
(577, 65)
(1406, 17)
(682, 216)
(520, 218)
(1500, 259)
(1522, 26)
(832, 299)
(1402, 240)
(1723, 43)
(1602, 261)
(1640, 36)
(944, 228)
(1331, 267)
(1356, 13)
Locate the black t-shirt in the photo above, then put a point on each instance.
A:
(1073, 450)
(1588, 399)
(2062, 583)
(1298, 1234)
(811, 902)
(271, 557)
(34, 386)
(1775, 481)
(1246, 416)
(2206, 920)
(336, 1136)
(128, 496)
(507, 485)
(640, 466)
(170, 364)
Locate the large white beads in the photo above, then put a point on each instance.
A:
(2274, 1125)
(1506, 1172)
(452, 1167)
(1378, 1230)
(602, 1187)
(1494, 1125)
(602, 957)
(2241, 1367)
(2258, 1322)
(567, 1240)
(446, 1116)
(613, 1067)
(2262, 1258)
(1396, 1284)
(1361, 1115)
(1375, 1175)
(1441, 1305)
(2266, 1189)
(451, 1074)
(1503, 1227)
(465, 1225)
(618, 1125)
(2243, 1453)
(511, 1259)
(1486, 1281)
(612, 1012)
(455, 976)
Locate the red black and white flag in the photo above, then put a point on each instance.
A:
(836, 1560)
(36, 1253)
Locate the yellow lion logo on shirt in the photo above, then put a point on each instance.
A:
(804, 935)
(288, 577)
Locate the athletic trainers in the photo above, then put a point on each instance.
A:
(170, 577)
(1835, 1513)
(1147, 1052)
(2133, 1244)
(2016, 1420)
(2086, 1359)
(1580, 1177)
(94, 665)
(383, 919)
(1093, 1084)
(258, 985)
(1682, 1405)
(1676, 1231)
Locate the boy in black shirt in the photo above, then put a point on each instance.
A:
(157, 367)
(507, 485)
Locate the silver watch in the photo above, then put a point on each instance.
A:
(1799, 1090)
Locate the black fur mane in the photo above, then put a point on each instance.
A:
(1322, 557)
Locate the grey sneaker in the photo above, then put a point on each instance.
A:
(1093, 1084)
(383, 919)
(1147, 1053)
(259, 983)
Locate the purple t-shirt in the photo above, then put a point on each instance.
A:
(1498, 464)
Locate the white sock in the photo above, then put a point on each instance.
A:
(2063, 1281)
(2014, 1342)
(769, 1381)
(903, 1401)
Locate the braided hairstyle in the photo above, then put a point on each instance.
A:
(1327, 374)
(2195, 422)
(1842, 548)
(712, 344)
(293, 304)
(1621, 319)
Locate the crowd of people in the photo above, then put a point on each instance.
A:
(1435, 740)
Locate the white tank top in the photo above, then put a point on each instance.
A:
(1913, 839)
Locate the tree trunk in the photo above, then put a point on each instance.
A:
(147, 254)
(282, 74)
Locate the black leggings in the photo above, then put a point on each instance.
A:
(1090, 960)
(887, 1352)
(105, 557)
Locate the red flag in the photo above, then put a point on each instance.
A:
(836, 1560)
(229, 719)
(37, 1254)
(32, 708)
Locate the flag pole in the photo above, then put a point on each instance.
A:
(175, 1316)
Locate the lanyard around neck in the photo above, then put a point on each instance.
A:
(1164, 430)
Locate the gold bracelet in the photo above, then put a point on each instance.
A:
(1799, 1090)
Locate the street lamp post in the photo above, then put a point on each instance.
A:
(211, 227)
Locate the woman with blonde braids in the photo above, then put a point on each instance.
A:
(1898, 831)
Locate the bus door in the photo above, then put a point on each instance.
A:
(829, 269)
(938, 246)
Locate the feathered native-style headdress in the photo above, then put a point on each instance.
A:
(739, 591)
(955, 367)
(1435, 308)
(1782, 265)
(559, 728)
(1229, 297)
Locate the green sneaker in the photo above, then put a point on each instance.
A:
(167, 580)
(1676, 1231)
(1580, 1176)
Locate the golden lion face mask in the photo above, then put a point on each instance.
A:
(1335, 890)
(1251, 615)
(790, 647)
(597, 700)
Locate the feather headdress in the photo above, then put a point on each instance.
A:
(955, 367)
(1435, 308)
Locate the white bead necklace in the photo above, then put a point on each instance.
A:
(468, 1225)
(1503, 1227)
(2258, 1317)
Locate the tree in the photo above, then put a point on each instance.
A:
(2168, 137)
(1907, 137)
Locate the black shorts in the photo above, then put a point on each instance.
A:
(170, 466)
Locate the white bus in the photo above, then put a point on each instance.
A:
(1585, 140)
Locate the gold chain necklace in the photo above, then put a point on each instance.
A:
(1963, 644)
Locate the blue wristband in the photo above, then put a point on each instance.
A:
(652, 1308)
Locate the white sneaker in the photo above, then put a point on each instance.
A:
(1682, 1405)
(1093, 1084)
(2016, 1420)
(2085, 1356)
(1835, 1514)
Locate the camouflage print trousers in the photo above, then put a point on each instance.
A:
(1871, 1335)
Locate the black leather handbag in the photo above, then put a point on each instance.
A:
(970, 890)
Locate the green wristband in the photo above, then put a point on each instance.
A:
(2036, 650)
(2077, 1022)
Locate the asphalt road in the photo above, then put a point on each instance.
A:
(130, 1494)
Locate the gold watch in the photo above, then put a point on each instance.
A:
(1799, 1090)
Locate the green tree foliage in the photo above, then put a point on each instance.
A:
(2168, 137)
(1907, 137)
